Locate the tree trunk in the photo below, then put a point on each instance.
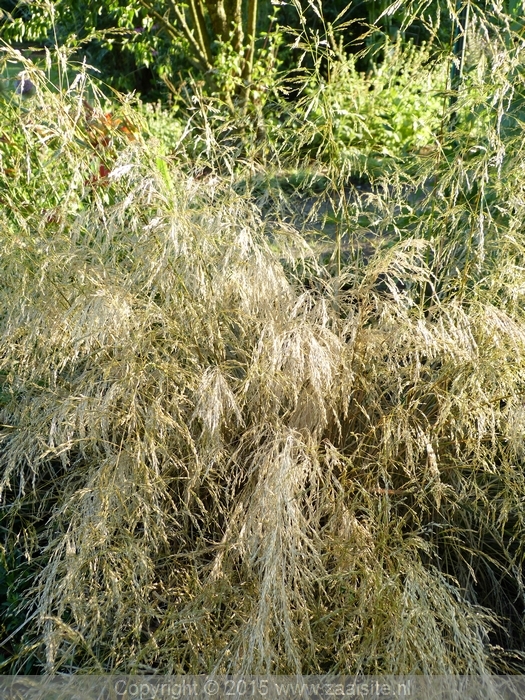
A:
(218, 18)
(204, 21)
(235, 24)
(249, 50)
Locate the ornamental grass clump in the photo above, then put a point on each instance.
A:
(218, 453)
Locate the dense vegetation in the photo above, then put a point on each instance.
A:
(262, 348)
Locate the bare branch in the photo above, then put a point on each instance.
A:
(202, 57)
(199, 22)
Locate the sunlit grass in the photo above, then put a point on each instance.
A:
(223, 451)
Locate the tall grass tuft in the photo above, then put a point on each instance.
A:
(221, 450)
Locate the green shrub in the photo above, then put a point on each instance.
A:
(395, 110)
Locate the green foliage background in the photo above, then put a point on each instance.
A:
(135, 52)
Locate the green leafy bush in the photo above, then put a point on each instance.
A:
(145, 44)
(395, 109)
